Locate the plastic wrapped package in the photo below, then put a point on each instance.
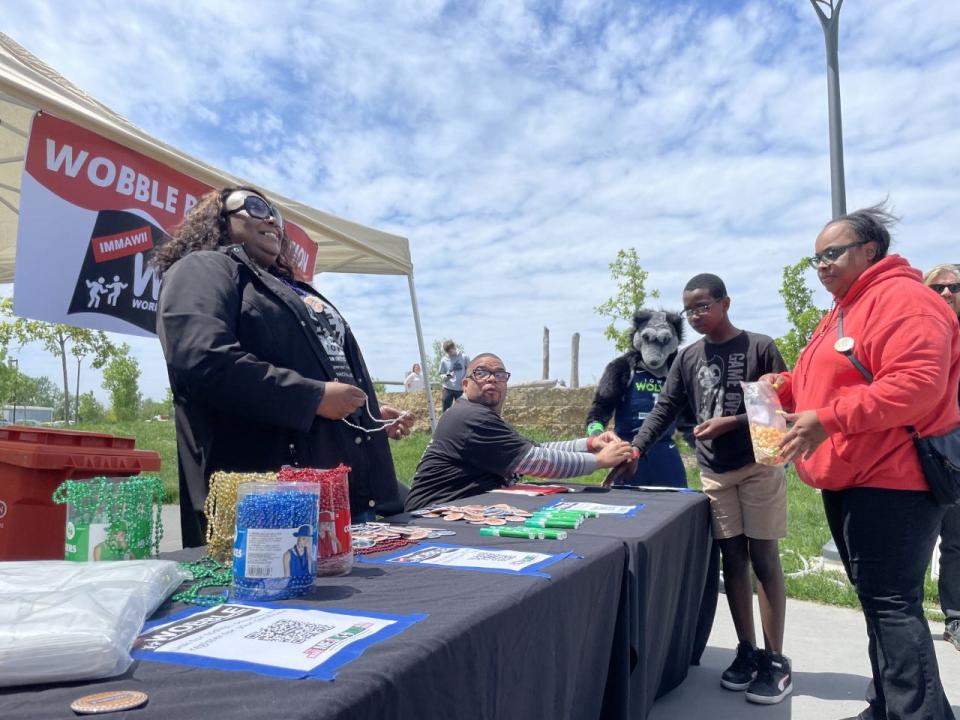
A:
(767, 426)
(62, 620)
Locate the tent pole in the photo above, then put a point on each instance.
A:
(423, 353)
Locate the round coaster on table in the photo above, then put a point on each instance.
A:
(106, 702)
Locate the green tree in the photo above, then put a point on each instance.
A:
(40, 391)
(90, 409)
(120, 378)
(631, 295)
(58, 339)
(802, 314)
(150, 408)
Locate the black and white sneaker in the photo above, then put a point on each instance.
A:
(743, 668)
(774, 679)
(951, 633)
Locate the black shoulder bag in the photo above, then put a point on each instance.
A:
(939, 454)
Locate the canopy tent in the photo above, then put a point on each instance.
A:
(27, 85)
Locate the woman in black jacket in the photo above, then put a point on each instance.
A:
(264, 370)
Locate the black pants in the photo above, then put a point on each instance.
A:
(448, 397)
(949, 585)
(885, 539)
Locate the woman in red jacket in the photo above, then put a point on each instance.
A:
(885, 357)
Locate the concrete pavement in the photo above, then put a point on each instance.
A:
(827, 646)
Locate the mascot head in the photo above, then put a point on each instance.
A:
(656, 336)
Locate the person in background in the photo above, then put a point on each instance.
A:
(414, 380)
(945, 281)
(887, 356)
(474, 449)
(452, 369)
(264, 370)
(748, 501)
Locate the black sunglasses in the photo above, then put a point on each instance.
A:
(939, 287)
(832, 254)
(258, 208)
(481, 373)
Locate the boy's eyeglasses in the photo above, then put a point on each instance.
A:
(698, 309)
(258, 208)
(832, 254)
(480, 374)
(938, 288)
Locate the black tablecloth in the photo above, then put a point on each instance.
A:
(672, 588)
(493, 646)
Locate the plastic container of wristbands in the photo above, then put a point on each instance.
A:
(275, 547)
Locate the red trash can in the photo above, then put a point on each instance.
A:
(33, 463)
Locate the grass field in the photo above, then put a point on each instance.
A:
(806, 524)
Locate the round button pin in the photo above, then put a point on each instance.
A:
(844, 345)
(106, 702)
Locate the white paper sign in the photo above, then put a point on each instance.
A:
(288, 638)
(473, 558)
(595, 507)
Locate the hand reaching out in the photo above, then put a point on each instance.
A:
(402, 427)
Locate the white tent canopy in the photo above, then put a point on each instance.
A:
(28, 85)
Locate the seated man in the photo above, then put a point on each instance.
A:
(474, 449)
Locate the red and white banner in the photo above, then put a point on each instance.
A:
(91, 213)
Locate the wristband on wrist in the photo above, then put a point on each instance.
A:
(594, 428)
(590, 444)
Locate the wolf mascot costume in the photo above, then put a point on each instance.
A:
(628, 391)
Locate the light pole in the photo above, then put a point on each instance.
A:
(838, 189)
(831, 28)
(16, 373)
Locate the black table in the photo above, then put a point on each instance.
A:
(673, 573)
(493, 646)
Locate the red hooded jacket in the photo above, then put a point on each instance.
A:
(909, 339)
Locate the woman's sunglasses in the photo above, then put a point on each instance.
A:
(940, 287)
(258, 208)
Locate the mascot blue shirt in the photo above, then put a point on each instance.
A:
(628, 391)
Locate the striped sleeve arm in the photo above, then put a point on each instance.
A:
(549, 462)
(567, 445)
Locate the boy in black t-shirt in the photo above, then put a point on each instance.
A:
(747, 500)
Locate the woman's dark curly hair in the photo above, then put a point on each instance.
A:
(205, 228)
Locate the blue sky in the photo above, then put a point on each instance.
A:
(520, 145)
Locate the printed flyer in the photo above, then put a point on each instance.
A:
(459, 557)
(292, 641)
(624, 510)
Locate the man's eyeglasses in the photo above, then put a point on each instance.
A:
(938, 288)
(698, 309)
(481, 373)
(258, 208)
(832, 254)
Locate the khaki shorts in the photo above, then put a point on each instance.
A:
(750, 501)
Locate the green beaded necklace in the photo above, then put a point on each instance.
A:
(207, 573)
(131, 506)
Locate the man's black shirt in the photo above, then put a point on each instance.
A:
(473, 450)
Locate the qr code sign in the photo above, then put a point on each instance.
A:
(289, 631)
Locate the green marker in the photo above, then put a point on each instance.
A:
(524, 533)
(550, 523)
(557, 513)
